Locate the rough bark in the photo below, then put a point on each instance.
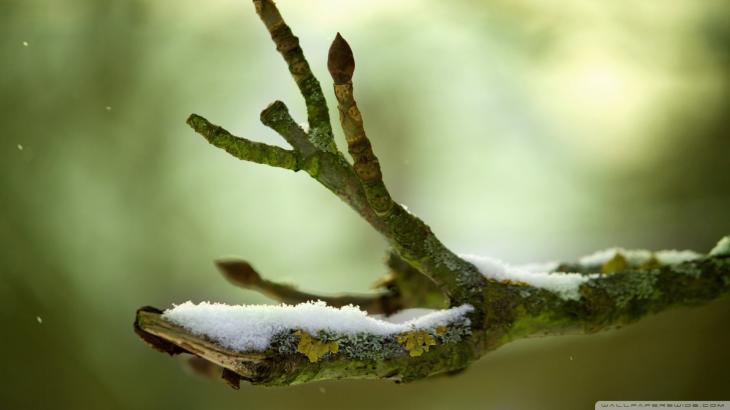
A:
(511, 311)
(423, 272)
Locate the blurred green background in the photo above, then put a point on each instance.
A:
(522, 129)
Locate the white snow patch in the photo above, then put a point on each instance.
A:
(539, 267)
(633, 256)
(405, 315)
(251, 327)
(636, 257)
(673, 257)
(722, 247)
(566, 285)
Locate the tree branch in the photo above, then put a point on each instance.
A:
(607, 301)
(320, 130)
(513, 311)
(412, 287)
(341, 65)
(424, 273)
(365, 357)
(276, 116)
(242, 274)
(242, 148)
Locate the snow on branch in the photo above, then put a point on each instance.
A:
(253, 327)
(289, 344)
(567, 284)
(491, 303)
(564, 284)
(637, 257)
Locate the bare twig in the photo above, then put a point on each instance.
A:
(242, 274)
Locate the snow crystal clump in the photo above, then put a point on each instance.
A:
(634, 257)
(637, 257)
(673, 257)
(722, 247)
(251, 327)
(404, 315)
(539, 267)
(566, 285)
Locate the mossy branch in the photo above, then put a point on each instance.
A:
(360, 185)
(245, 149)
(320, 129)
(511, 311)
(423, 272)
(276, 116)
(365, 357)
(609, 300)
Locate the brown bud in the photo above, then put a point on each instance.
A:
(340, 62)
(238, 272)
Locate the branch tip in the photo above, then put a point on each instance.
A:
(340, 61)
(238, 272)
(288, 46)
(276, 116)
(195, 121)
(242, 148)
(271, 110)
(156, 342)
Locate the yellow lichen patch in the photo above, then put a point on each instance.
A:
(652, 263)
(313, 348)
(416, 342)
(616, 264)
(440, 330)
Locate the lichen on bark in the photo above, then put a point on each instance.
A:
(423, 272)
